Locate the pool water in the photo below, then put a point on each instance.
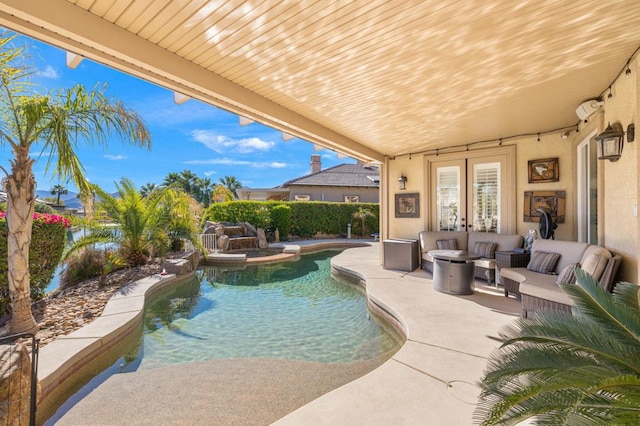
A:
(291, 310)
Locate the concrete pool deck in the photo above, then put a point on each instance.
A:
(432, 379)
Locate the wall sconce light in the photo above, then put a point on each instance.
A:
(610, 142)
(402, 182)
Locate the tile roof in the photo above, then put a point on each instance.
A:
(340, 175)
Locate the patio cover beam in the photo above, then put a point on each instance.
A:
(62, 24)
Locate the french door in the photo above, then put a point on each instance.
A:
(472, 193)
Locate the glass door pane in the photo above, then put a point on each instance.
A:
(449, 214)
(485, 195)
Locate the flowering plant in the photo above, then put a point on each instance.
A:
(44, 219)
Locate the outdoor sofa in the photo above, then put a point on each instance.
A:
(483, 243)
(553, 262)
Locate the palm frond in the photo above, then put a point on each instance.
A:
(561, 368)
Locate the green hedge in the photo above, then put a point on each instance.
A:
(281, 219)
(48, 238)
(307, 218)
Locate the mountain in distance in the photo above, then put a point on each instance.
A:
(70, 199)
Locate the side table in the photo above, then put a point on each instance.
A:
(510, 259)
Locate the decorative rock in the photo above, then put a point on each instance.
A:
(250, 230)
(62, 312)
(209, 227)
(177, 266)
(223, 242)
(262, 239)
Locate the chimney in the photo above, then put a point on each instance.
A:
(316, 163)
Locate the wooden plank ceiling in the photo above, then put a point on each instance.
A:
(370, 77)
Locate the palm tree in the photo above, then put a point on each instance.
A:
(205, 191)
(189, 182)
(57, 122)
(170, 179)
(569, 368)
(146, 225)
(232, 184)
(362, 214)
(147, 189)
(186, 180)
(58, 190)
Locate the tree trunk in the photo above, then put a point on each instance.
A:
(20, 187)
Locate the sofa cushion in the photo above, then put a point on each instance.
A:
(568, 274)
(571, 251)
(428, 239)
(451, 244)
(514, 274)
(545, 287)
(504, 242)
(543, 262)
(594, 260)
(485, 263)
(486, 249)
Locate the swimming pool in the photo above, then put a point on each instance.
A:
(291, 310)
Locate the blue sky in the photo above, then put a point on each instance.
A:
(195, 136)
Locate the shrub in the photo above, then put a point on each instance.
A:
(47, 244)
(281, 219)
(306, 220)
(254, 212)
(88, 264)
(83, 266)
(43, 208)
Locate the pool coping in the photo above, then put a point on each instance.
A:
(60, 360)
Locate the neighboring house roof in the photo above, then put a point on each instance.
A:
(341, 175)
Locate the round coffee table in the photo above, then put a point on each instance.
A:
(453, 271)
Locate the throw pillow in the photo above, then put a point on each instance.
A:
(543, 262)
(568, 274)
(447, 244)
(595, 263)
(486, 249)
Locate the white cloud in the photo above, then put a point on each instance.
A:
(48, 72)
(220, 143)
(115, 157)
(231, 162)
(210, 173)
